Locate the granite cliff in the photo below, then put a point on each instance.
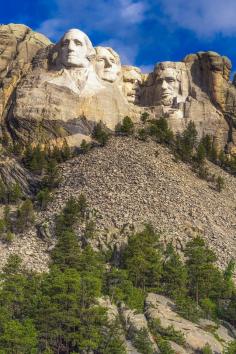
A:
(47, 95)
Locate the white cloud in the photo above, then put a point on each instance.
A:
(116, 20)
(204, 17)
(127, 53)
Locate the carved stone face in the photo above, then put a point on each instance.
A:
(167, 86)
(107, 64)
(74, 49)
(132, 79)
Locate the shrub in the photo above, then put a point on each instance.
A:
(127, 126)
(220, 183)
(100, 134)
(142, 342)
(84, 146)
(25, 215)
(207, 349)
(142, 134)
(144, 117)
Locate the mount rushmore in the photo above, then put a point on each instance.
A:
(52, 92)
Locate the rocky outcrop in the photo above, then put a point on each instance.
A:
(18, 46)
(196, 335)
(12, 172)
(128, 183)
(63, 90)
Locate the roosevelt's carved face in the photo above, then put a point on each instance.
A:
(107, 64)
(74, 49)
(132, 79)
(167, 86)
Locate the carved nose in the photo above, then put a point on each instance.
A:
(164, 84)
(71, 47)
(108, 64)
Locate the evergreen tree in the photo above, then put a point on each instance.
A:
(174, 276)
(25, 215)
(142, 259)
(100, 134)
(66, 253)
(127, 126)
(205, 280)
(43, 197)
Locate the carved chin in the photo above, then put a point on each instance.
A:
(74, 62)
(167, 101)
(109, 77)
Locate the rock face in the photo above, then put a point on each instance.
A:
(129, 183)
(196, 335)
(67, 92)
(61, 91)
(18, 46)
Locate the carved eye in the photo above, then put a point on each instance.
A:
(170, 79)
(100, 59)
(65, 43)
(112, 60)
(77, 42)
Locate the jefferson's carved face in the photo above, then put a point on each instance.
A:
(131, 87)
(107, 65)
(73, 49)
(167, 86)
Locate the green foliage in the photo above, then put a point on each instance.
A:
(18, 337)
(37, 158)
(11, 193)
(100, 134)
(231, 348)
(43, 197)
(186, 142)
(51, 179)
(187, 308)
(74, 211)
(160, 131)
(168, 333)
(84, 146)
(209, 307)
(142, 342)
(200, 154)
(127, 126)
(121, 289)
(174, 274)
(144, 117)
(164, 346)
(205, 280)
(25, 215)
(142, 134)
(207, 349)
(220, 183)
(142, 259)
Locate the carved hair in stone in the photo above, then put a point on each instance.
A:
(107, 64)
(132, 79)
(171, 83)
(74, 50)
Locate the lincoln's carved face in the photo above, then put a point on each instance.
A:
(75, 49)
(167, 86)
(107, 64)
(132, 79)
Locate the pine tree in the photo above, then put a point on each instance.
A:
(25, 215)
(142, 259)
(174, 276)
(205, 280)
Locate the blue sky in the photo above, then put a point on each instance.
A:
(143, 32)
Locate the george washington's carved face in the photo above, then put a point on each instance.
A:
(107, 64)
(75, 48)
